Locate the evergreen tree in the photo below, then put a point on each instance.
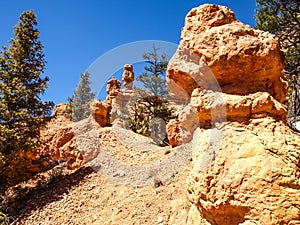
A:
(282, 18)
(21, 84)
(150, 109)
(153, 77)
(81, 98)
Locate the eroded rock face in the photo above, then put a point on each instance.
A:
(113, 88)
(100, 112)
(59, 138)
(174, 131)
(128, 76)
(242, 59)
(253, 179)
(246, 167)
(74, 142)
(61, 110)
(180, 131)
(221, 106)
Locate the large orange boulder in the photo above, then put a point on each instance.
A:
(242, 60)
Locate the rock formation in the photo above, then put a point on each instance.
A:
(254, 178)
(70, 142)
(124, 95)
(246, 160)
(59, 138)
(180, 130)
(112, 88)
(242, 59)
(128, 76)
(236, 107)
(100, 112)
(61, 134)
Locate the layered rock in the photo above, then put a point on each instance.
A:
(246, 160)
(221, 106)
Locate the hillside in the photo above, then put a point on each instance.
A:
(232, 159)
(85, 197)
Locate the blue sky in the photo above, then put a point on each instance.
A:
(76, 33)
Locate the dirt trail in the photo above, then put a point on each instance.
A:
(86, 196)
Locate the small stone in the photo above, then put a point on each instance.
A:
(157, 182)
(120, 173)
(160, 219)
(168, 151)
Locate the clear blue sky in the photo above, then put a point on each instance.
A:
(75, 33)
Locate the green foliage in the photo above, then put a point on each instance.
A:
(4, 218)
(150, 110)
(152, 78)
(282, 18)
(21, 84)
(149, 116)
(81, 98)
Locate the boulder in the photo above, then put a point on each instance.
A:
(241, 59)
(100, 112)
(252, 178)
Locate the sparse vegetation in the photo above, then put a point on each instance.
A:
(150, 110)
(79, 102)
(282, 18)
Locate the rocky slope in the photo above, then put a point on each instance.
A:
(96, 190)
(59, 140)
(84, 196)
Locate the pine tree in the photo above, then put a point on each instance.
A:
(152, 78)
(151, 111)
(21, 84)
(282, 18)
(81, 98)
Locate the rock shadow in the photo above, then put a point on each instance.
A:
(44, 193)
